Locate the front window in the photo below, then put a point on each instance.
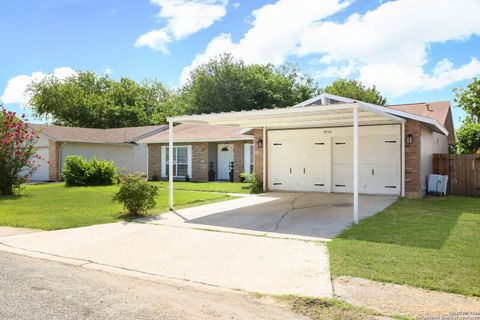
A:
(249, 157)
(181, 157)
(252, 168)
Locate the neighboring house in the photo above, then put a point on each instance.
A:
(201, 149)
(118, 145)
(310, 146)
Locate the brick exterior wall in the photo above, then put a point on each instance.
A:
(413, 159)
(154, 160)
(200, 161)
(53, 158)
(238, 159)
(258, 135)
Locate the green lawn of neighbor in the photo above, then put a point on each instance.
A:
(229, 187)
(433, 243)
(54, 206)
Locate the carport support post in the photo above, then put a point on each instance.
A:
(403, 159)
(170, 165)
(264, 160)
(355, 164)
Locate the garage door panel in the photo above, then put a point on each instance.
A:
(379, 164)
(279, 173)
(299, 161)
(41, 174)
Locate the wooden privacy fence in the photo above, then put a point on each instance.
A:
(463, 172)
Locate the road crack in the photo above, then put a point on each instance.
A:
(293, 208)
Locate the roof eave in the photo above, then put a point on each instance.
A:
(198, 140)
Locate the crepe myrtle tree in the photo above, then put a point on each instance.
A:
(17, 151)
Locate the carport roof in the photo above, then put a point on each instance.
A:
(335, 115)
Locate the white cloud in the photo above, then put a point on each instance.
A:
(274, 34)
(14, 92)
(387, 46)
(390, 44)
(183, 18)
(221, 44)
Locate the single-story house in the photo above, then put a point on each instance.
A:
(335, 144)
(118, 145)
(201, 153)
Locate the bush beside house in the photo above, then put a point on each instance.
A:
(80, 172)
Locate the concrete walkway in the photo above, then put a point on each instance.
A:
(250, 263)
(11, 231)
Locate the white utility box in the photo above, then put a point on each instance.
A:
(437, 185)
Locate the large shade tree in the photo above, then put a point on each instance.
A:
(355, 89)
(86, 99)
(226, 84)
(468, 135)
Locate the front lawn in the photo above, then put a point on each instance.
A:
(227, 187)
(54, 206)
(432, 243)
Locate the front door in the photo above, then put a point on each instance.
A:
(225, 157)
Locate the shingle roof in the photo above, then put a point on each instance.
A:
(193, 132)
(74, 134)
(437, 110)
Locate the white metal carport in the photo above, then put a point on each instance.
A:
(339, 115)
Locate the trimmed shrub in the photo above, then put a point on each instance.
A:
(101, 173)
(75, 171)
(136, 194)
(255, 185)
(80, 172)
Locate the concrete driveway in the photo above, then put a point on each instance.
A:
(234, 261)
(254, 243)
(280, 214)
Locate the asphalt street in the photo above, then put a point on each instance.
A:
(40, 289)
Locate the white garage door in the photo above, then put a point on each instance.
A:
(41, 174)
(321, 160)
(297, 161)
(379, 167)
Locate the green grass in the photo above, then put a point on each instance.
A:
(54, 206)
(329, 309)
(228, 187)
(433, 243)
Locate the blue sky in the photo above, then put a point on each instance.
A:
(409, 49)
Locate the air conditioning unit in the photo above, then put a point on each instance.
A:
(437, 185)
